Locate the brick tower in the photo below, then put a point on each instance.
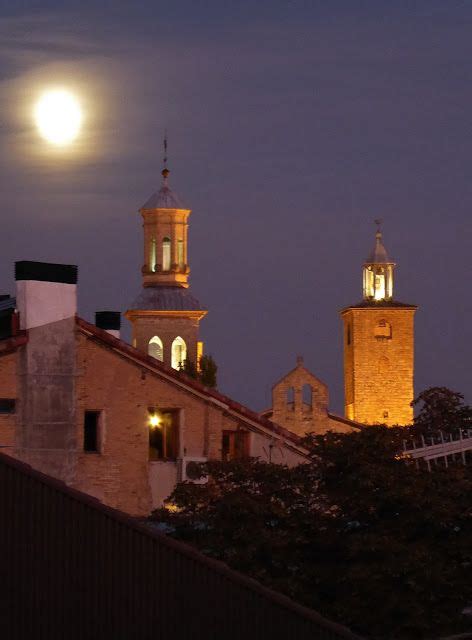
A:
(379, 348)
(165, 316)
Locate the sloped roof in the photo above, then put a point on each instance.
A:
(7, 303)
(164, 198)
(249, 417)
(166, 299)
(379, 254)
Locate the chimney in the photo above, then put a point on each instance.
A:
(45, 292)
(109, 321)
(46, 435)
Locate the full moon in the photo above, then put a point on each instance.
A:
(58, 117)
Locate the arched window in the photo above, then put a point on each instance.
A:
(180, 253)
(152, 255)
(166, 254)
(307, 395)
(156, 349)
(379, 285)
(291, 398)
(179, 352)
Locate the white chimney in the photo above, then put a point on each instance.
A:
(45, 292)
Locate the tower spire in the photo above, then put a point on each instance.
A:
(165, 170)
(378, 270)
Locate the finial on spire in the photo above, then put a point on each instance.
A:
(165, 170)
(378, 222)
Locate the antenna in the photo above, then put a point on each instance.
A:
(378, 222)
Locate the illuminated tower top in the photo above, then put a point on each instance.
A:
(378, 271)
(165, 238)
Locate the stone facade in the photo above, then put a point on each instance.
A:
(300, 402)
(167, 325)
(379, 363)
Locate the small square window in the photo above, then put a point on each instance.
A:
(92, 431)
(7, 405)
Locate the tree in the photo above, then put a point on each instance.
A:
(206, 374)
(208, 370)
(189, 368)
(442, 410)
(358, 533)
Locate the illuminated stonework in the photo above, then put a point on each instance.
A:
(165, 316)
(379, 348)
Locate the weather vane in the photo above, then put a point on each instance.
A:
(378, 222)
(165, 149)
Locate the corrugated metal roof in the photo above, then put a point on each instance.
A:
(166, 299)
(8, 303)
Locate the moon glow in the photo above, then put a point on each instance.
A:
(58, 117)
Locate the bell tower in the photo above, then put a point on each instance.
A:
(165, 316)
(379, 347)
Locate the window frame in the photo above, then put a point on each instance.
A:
(98, 432)
(173, 440)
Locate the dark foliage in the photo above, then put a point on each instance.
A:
(208, 371)
(442, 410)
(358, 533)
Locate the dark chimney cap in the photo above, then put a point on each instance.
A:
(108, 320)
(46, 272)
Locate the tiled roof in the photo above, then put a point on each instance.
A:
(165, 198)
(166, 299)
(181, 379)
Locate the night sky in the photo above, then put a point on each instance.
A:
(291, 126)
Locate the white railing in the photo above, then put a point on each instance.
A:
(448, 447)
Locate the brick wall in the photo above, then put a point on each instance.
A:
(121, 475)
(379, 368)
(298, 416)
(8, 389)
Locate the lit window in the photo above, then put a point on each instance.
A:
(91, 431)
(163, 434)
(179, 353)
(166, 254)
(156, 348)
(152, 256)
(180, 253)
(379, 284)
